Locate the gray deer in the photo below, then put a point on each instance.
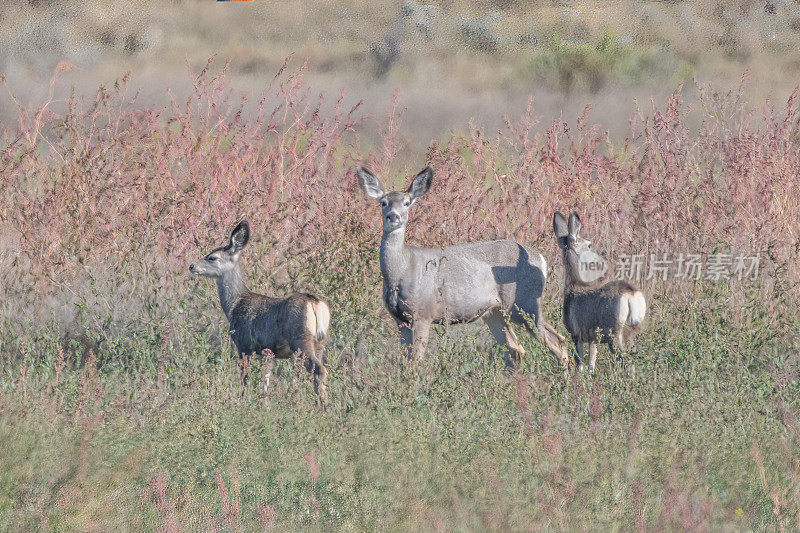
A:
(297, 323)
(498, 281)
(593, 311)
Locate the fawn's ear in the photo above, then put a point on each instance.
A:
(574, 223)
(369, 183)
(560, 225)
(240, 236)
(422, 182)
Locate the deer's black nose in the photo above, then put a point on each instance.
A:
(394, 218)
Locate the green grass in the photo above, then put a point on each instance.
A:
(457, 442)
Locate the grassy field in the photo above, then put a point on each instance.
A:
(121, 406)
(705, 436)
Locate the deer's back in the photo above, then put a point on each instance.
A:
(461, 282)
(591, 310)
(260, 322)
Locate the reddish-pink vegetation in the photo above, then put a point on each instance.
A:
(313, 472)
(266, 516)
(522, 400)
(103, 201)
(686, 507)
(163, 504)
(231, 502)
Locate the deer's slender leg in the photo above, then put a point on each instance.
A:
(581, 353)
(628, 338)
(266, 374)
(421, 332)
(321, 381)
(616, 342)
(545, 333)
(504, 335)
(244, 370)
(406, 338)
(319, 349)
(554, 341)
(414, 338)
(592, 356)
(619, 338)
(615, 345)
(244, 360)
(313, 363)
(239, 361)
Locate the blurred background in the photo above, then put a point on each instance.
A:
(454, 61)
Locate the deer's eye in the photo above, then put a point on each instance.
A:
(407, 203)
(212, 258)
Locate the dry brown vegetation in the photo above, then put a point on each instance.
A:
(454, 60)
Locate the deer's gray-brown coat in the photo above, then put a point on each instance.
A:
(594, 311)
(498, 281)
(295, 324)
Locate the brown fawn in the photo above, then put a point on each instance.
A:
(594, 311)
(286, 326)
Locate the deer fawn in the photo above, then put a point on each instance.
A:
(298, 322)
(498, 281)
(592, 312)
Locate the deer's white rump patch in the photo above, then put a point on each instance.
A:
(322, 317)
(311, 319)
(637, 308)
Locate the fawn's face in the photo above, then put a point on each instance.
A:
(216, 264)
(222, 260)
(576, 250)
(394, 204)
(581, 262)
(574, 244)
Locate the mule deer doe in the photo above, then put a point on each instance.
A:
(498, 281)
(592, 312)
(298, 322)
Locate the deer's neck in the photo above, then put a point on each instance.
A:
(570, 287)
(573, 283)
(231, 287)
(394, 256)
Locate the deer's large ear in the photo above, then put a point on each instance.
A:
(369, 183)
(240, 236)
(560, 225)
(422, 182)
(574, 223)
